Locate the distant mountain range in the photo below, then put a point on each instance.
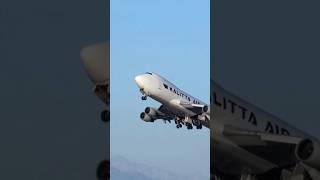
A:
(123, 169)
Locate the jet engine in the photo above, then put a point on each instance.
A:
(205, 109)
(146, 117)
(151, 111)
(308, 152)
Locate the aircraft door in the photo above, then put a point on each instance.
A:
(160, 86)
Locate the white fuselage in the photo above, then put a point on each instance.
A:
(231, 113)
(161, 90)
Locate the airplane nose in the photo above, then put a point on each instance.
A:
(95, 59)
(139, 81)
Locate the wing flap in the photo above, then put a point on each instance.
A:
(196, 108)
(231, 132)
(262, 144)
(166, 114)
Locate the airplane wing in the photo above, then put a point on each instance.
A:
(166, 112)
(263, 151)
(151, 114)
(260, 138)
(286, 150)
(196, 108)
(261, 144)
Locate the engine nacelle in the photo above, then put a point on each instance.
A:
(146, 117)
(205, 109)
(152, 112)
(308, 152)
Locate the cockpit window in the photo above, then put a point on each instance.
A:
(149, 73)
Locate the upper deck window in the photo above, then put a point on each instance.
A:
(165, 86)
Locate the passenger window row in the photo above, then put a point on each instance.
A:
(177, 92)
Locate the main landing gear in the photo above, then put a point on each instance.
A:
(187, 122)
(199, 127)
(189, 125)
(105, 116)
(103, 170)
(178, 123)
(197, 123)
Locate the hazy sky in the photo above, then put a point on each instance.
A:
(172, 39)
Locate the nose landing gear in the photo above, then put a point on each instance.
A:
(144, 95)
(199, 127)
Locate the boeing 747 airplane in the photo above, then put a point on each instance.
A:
(247, 143)
(176, 105)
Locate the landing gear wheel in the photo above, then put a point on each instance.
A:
(105, 116)
(178, 126)
(103, 169)
(144, 98)
(189, 126)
